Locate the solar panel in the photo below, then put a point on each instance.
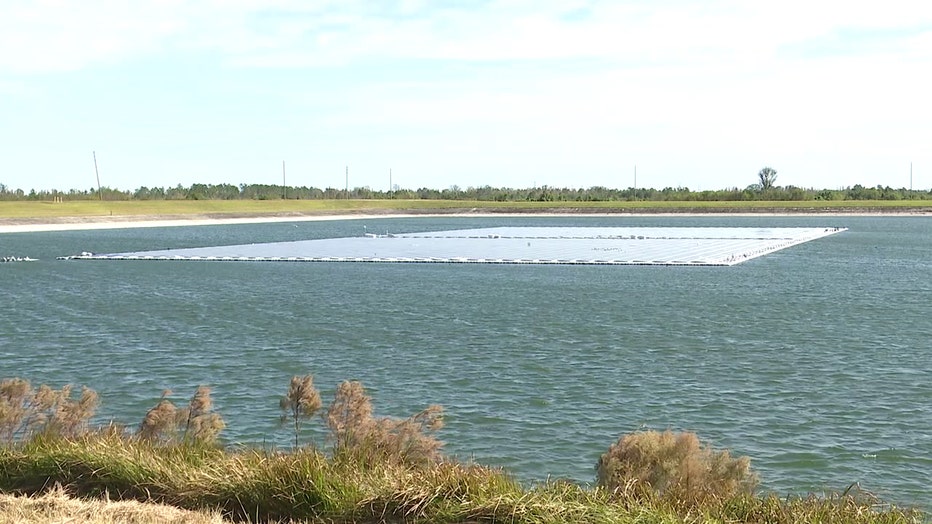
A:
(680, 246)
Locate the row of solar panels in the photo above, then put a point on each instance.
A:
(596, 237)
(457, 260)
(574, 232)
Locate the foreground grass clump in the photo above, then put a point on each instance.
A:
(240, 484)
(254, 484)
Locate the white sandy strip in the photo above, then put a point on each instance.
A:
(127, 222)
(132, 224)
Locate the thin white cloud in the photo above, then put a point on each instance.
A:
(48, 36)
(546, 81)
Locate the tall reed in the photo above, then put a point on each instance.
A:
(301, 402)
(26, 411)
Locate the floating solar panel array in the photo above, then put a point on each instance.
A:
(679, 246)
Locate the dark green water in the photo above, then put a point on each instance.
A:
(815, 361)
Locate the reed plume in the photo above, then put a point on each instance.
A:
(194, 424)
(357, 435)
(301, 402)
(26, 411)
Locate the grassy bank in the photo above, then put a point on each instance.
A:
(229, 208)
(305, 485)
(376, 469)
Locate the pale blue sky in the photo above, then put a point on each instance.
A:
(515, 93)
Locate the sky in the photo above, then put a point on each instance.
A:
(467, 93)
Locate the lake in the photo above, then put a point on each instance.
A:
(815, 361)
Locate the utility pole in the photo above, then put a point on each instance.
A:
(100, 194)
(635, 181)
(346, 191)
(390, 182)
(910, 176)
(283, 180)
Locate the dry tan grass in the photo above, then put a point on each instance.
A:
(56, 506)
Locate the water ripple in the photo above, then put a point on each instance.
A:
(814, 361)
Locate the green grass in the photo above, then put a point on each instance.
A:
(249, 484)
(215, 208)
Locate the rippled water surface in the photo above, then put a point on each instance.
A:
(815, 361)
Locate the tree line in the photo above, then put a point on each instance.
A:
(755, 192)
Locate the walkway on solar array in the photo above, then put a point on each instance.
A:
(690, 246)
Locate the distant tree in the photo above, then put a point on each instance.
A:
(767, 177)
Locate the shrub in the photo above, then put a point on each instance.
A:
(160, 421)
(675, 466)
(194, 424)
(26, 412)
(358, 435)
(202, 424)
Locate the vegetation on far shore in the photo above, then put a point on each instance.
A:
(94, 209)
(259, 199)
(370, 469)
(765, 189)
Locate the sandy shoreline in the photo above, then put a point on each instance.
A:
(132, 222)
(141, 222)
